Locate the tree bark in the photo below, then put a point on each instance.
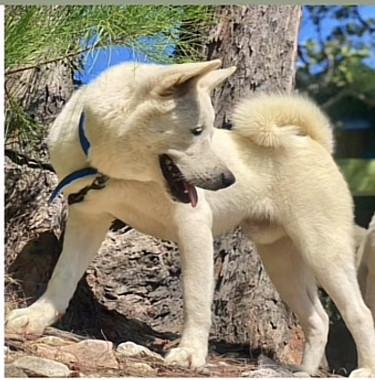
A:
(40, 93)
(262, 42)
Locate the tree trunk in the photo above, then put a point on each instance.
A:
(40, 93)
(262, 42)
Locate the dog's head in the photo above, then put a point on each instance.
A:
(187, 159)
(156, 122)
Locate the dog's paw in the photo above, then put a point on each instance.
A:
(31, 320)
(186, 357)
(362, 372)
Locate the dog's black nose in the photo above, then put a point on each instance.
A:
(227, 179)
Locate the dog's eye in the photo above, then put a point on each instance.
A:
(197, 131)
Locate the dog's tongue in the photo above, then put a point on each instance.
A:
(192, 192)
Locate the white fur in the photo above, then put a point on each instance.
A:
(289, 197)
(269, 125)
(366, 263)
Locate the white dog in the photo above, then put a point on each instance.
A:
(366, 264)
(145, 133)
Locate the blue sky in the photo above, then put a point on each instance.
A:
(308, 29)
(97, 61)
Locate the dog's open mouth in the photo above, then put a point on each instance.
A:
(179, 188)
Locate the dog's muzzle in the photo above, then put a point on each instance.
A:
(184, 191)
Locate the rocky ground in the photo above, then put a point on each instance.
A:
(59, 354)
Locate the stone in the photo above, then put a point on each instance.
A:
(55, 353)
(53, 341)
(142, 369)
(262, 372)
(130, 349)
(40, 367)
(246, 374)
(205, 371)
(301, 374)
(266, 363)
(11, 370)
(92, 352)
(88, 353)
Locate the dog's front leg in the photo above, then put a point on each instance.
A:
(196, 250)
(84, 234)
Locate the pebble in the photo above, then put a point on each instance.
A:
(90, 353)
(301, 374)
(53, 341)
(261, 372)
(40, 367)
(143, 369)
(54, 353)
(11, 371)
(204, 371)
(130, 349)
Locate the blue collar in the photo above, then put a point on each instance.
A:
(85, 143)
(81, 173)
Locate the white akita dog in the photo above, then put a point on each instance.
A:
(366, 264)
(169, 173)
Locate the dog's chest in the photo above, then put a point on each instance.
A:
(143, 206)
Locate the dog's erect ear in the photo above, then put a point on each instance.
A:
(169, 85)
(212, 79)
(176, 76)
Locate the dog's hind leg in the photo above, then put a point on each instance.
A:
(366, 269)
(327, 249)
(83, 237)
(297, 287)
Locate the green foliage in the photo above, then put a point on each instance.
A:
(360, 175)
(35, 34)
(20, 128)
(333, 66)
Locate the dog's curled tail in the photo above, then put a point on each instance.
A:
(270, 119)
